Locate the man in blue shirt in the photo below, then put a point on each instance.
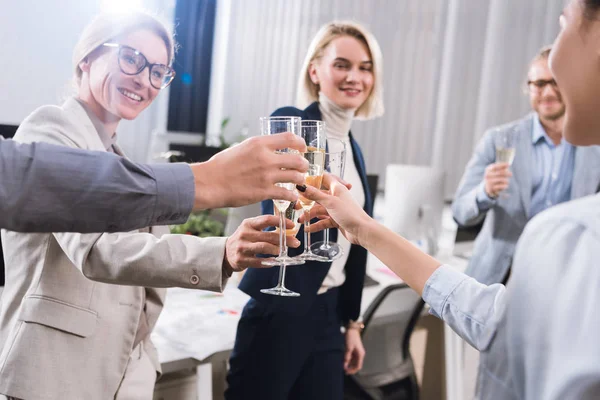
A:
(547, 170)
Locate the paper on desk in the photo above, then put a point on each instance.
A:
(200, 323)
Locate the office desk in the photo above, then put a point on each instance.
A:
(197, 330)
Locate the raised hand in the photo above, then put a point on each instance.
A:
(336, 208)
(496, 178)
(249, 240)
(247, 173)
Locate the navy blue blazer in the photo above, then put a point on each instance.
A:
(306, 279)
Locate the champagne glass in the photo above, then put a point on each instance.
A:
(335, 162)
(505, 141)
(293, 213)
(272, 126)
(313, 133)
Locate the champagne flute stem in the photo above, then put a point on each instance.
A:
(326, 237)
(282, 269)
(282, 239)
(306, 234)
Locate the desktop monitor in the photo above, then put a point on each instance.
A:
(414, 200)
(8, 131)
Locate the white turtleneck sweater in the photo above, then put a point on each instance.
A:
(338, 123)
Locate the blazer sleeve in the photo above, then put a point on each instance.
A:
(139, 259)
(142, 259)
(47, 188)
(466, 209)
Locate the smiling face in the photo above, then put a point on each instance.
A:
(344, 72)
(575, 64)
(546, 100)
(110, 93)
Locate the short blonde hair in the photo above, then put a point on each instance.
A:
(106, 27)
(308, 92)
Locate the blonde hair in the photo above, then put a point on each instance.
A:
(106, 27)
(308, 92)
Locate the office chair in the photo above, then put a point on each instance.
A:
(388, 372)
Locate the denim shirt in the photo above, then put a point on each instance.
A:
(538, 337)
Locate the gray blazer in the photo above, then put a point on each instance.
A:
(72, 302)
(505, 221)
(47, 188)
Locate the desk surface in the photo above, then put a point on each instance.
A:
(197, 324)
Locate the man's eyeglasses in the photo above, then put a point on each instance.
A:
(540, 84)
(132, 62)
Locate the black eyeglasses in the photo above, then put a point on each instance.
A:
(540, 84)
(132, 62)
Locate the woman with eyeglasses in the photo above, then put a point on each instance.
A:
(78, 309)
(538, 336)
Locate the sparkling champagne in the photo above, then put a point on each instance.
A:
(282, 205)
(315, 156)
(505, 155)
(314, 175)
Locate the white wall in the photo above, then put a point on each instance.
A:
(37, 39)
(452, 68)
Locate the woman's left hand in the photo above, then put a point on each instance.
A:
(355, 352)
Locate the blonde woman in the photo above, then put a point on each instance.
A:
(78, 309)
(292, 347)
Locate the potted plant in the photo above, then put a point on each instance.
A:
(205, 223)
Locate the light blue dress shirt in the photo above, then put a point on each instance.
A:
(552, 172)
(539, 336)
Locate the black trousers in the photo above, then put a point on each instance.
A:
(279, 356)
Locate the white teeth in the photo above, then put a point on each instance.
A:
(132, 96)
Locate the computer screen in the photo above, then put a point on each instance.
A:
(8, 131)
(414, 200)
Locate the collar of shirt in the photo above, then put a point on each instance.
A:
(539, 133)
(107, 139)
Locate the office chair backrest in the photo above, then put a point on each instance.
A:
(389, 322)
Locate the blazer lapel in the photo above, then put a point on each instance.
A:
(89, 135)
(359, 161)
(521, 167)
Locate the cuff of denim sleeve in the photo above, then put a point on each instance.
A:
(175, 193)
(484, 202)
(440, 286)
